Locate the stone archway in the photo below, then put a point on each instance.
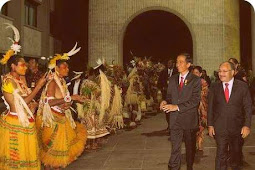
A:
(162, 16)
(214, 26)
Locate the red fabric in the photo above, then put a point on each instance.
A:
(181, 84)
(226, 92)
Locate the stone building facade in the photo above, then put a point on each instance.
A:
(214, 26)
(36, 40)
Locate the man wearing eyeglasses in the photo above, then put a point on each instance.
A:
(226, 120)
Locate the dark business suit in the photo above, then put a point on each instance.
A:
(228, 118)
(163, 80)
(162, 84)
(183, 123)
(71, 88)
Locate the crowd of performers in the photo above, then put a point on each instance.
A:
(50, 120)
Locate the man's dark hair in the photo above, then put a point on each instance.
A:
(59, 62)
(32, 58)
(14, 60)
(90, 71)
(187, 57)
(235, 61)
(199, 68)
(170, 60)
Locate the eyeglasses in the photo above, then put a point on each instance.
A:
(224, 71)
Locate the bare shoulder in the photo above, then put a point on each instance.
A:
(52, 86)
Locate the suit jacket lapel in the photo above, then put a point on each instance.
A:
(177, 85)
(222, 91)
(177, 82)
(233, 90)
(187, 80)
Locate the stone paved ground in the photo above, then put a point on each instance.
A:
(148, 148)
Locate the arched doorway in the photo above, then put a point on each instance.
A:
(158, 34)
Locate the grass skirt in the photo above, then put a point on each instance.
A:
(61, 144)
(19, 145)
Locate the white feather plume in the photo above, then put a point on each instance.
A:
(74, 50)
(99, 61)
(15, 30)
(11, 40)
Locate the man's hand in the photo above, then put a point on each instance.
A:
(163, 103)
(170, 108)
(77, 98)
(65, 106)
(42, 81)
(33, 106)
(245, 131)
(211, 131)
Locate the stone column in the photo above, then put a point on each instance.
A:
(231, 30)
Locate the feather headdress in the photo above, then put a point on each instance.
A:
(65, 56)
(99, 63)
(15, 47)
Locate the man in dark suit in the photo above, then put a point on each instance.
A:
(163, 81)
(76, 82)
(229, 116)
(182, 101)
(74, 86)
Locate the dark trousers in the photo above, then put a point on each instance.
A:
(167, 119)
(226, 141)
(189, 137)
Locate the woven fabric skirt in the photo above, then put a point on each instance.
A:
(19, 145)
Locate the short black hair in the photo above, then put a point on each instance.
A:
(32, 58)
(90, 71)
(59, 62)
(235, 61)
(199, 68)
(187, 57)
(14, 60)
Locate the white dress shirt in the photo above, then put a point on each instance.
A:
(184, 77)
(76, 86)
(230, 86)
(170, 72)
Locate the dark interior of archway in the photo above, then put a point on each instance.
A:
(157, 34)
(245, 34)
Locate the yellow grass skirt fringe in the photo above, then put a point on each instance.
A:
(19, 145)
(131, 98)
(61, 144)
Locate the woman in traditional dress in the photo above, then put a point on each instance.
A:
(19, 145)
(63, 139)
(203, 108)
(89, 112)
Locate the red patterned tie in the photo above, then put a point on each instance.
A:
(181, 84)
(226, 92)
